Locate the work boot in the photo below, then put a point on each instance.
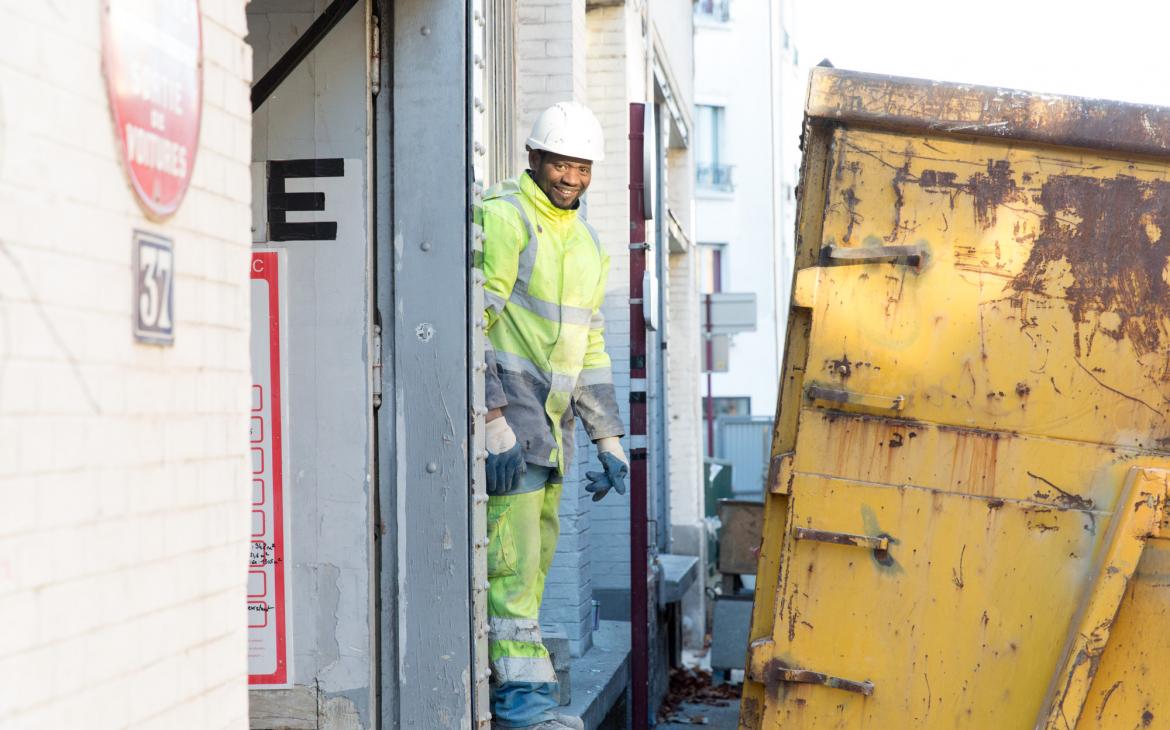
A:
(559, 722)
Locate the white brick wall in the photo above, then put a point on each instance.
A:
(611, 32)
(123, 536)
(684, 366)
(551, 68)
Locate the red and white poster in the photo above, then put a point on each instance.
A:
(152, 55)
(268, 585)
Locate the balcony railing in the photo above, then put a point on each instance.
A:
(715, 177)
(717, 10)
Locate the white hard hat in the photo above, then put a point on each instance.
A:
(568, 129)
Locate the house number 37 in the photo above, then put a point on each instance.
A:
(154, 259)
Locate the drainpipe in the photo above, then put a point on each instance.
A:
(639, 593)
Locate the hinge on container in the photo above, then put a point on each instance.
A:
(375, 55)
(839, 396)
(842, 538)
(913, 256)
(769, 671)
(376, 367)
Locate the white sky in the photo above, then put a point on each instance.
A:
(1110, 49)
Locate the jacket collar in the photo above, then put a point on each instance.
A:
(543, 205)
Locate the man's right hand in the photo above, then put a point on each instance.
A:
(505, 461)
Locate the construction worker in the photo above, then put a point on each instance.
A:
(545, 274)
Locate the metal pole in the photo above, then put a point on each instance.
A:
(639, 592)
(710, 366)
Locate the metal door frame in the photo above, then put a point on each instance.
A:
(424, 189)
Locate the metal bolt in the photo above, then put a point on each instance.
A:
(432, 467)
(425, 245)
(425, 30)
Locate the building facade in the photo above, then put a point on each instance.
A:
(123, 463)
(747, 110)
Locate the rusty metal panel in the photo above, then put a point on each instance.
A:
(917, 105)
(969, 529)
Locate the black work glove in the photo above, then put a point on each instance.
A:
(613, 476)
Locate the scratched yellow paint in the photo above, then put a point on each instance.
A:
(993, 411)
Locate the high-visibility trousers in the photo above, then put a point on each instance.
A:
(522, 539)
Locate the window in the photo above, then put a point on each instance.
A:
(713, 267)
(716, 10)
(711, 170)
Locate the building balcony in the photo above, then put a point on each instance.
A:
(710, 176)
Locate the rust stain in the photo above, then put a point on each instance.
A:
(988, 189)
(901, 176)
(975, 456)
(1113, 238)
(840, 368)
(851, 201)
(1066, 500)
(1105, 701)
(957, 575)
(749, 713)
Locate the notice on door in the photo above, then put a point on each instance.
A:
(268, 588)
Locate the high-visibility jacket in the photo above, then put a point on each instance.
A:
(545, 273)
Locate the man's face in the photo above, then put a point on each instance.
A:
(563, 179)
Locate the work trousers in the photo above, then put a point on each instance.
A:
(522, 538)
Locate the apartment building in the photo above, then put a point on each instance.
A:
(747, 115)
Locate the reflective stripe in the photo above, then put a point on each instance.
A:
(564, 313)
(597, 320)
(596, 376)
(527, 262)
(592, 233)
(515, 629)
(523, 669)
(560, 382)
(520, 364)
(563, 383)
(494, 301)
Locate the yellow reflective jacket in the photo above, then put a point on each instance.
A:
(545, 273)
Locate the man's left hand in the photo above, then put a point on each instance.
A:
(615, 465)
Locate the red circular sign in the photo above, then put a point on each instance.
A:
(152, 53)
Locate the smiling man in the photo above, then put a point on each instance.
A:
(545, 274)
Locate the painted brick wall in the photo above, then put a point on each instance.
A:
(551, 68)
(123, 467)
(684, 367)
(613, 58)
